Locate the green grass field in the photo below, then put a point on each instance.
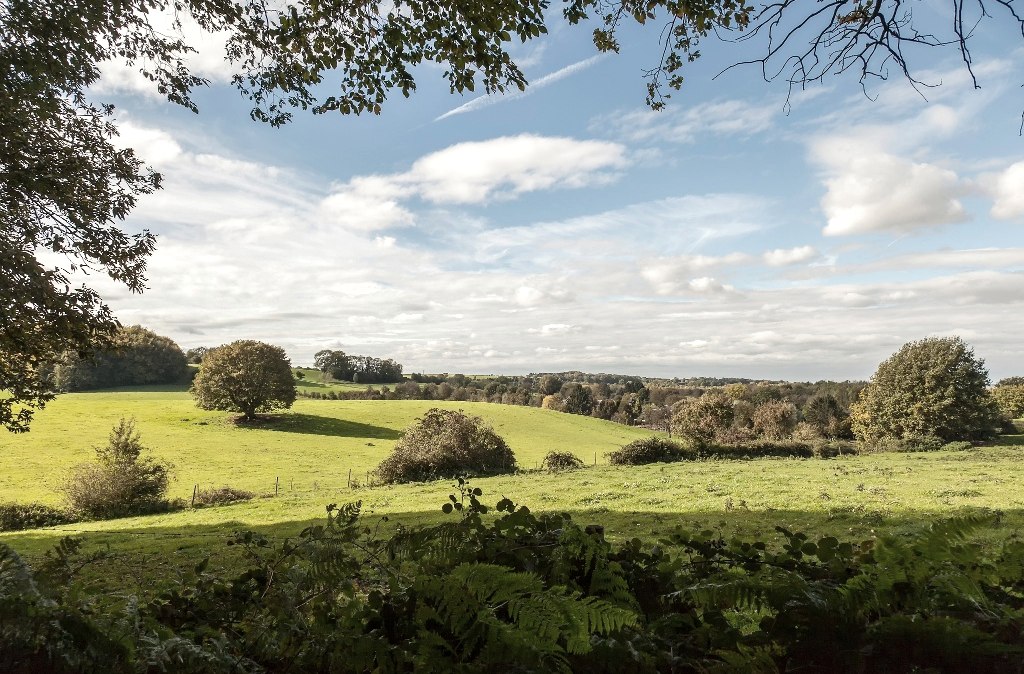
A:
(312, 448)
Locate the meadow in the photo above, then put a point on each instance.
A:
(300, 462)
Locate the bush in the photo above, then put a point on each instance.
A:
(557, 461)
(220, 496)
(700, 420)
(958, 446)
(909, 443)
(775, 420)
(756, 449)
(826, 414)
(445, 444)
(934, 387)
(647, 450)
(120, 483)
(20, 516)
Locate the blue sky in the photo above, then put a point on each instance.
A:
(571, 228)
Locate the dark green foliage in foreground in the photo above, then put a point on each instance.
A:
(541, 591)
(444, 444)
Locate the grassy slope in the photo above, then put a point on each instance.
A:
(313, 447)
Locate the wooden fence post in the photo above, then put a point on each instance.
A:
(195, 490)
(277, 484)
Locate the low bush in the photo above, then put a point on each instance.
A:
(558, 461)
(648, 450)
(909, 443)
(756, 449)
(830, 449)
(120, 483)
(958, 446)
(20, 516)
(220, 496)
(446, 444)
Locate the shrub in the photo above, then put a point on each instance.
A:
(756, 449)
(932, 387)
(245, 376)
(908, 443)
(221, 496)
(120, 483)
(647, 450)
(958, 446)
(19, 516)
(826, 414)
(775, 420)
(557, 461)
(444, 444)
(699, 420)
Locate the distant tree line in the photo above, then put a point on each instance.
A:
(629, 400)
(135, 357)
(340, 366)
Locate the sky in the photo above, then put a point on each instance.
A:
(736, 233)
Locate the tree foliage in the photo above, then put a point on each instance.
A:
(245, 376)
(1010, 399)
(699, 420)
(134, 356)
(932, 387)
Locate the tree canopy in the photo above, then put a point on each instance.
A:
(934, 387)
(245, 376)
(66, 187)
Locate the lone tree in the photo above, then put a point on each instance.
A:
(245, 376)
(931, 387)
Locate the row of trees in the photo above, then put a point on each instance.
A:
(134, 356)
(340, 366)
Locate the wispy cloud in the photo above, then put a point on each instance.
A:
(545, 81)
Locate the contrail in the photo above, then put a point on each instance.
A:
(549, 79)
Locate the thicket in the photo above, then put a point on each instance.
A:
(444, 444)
(539, 593)
(20, 516)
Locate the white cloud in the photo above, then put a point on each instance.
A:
(687, 123)
(673, 275)
(473, 173)
(207, 61)
(781, 257)
(1008, 193)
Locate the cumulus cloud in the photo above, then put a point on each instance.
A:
(781, 257)
(473, 173)
(1008, 193)
(875, 192)
(672, 275)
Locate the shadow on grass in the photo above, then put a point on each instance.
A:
(1007, 441)
(142, 559)
(311, 424)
